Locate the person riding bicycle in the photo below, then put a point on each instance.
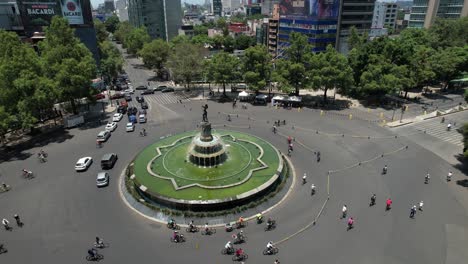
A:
(4, 186)
(175, 236)
(239, 252)
(344, 210)
(269, 223)
(372, 199)
(259, 217)
(143, 131)
(99, 241)
(449, 176)
(228, 227)
(385, 168)
(240, 235)
(92, 252)
(241, 221)
(350, 222)
(228, 245)
(191, 225)
(389, 203)
(270, 246)
(207, 229)
(6, 223)
(26, 172)
(172, 223)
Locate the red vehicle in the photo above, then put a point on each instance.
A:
(117, 96)
(99, 96)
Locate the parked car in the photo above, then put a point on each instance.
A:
(117, 117)
(111, 126)
(128, 97)
(130, 127)
(99, 96)
(108, 161)
(140, 99)
(142, 118)
(167, 90)
(102, 179)
(144, 105)
(117, 96)
(121, 109)
(103, 136)
(141, 87)
(147, 91)
(160, 88)
(132, 111)
(83, 163)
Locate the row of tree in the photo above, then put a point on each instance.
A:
(32, 82)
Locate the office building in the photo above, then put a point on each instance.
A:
(424, 12)
(216, 7)
(273, 26)
(162, 18)
(28, 19)
(317, 20)
(121, 9)
(385, 15)
(353, 13)
(267, 7)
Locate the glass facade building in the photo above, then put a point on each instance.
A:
(424, 12)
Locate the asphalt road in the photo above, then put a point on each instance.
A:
(63, 210)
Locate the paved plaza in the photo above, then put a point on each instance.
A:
(63, 210)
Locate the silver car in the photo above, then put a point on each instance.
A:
(102, 179)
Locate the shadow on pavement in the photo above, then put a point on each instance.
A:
(16, 151)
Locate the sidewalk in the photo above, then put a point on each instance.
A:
(433, 114)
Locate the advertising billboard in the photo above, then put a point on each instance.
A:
(72, 11)
(309, 9)
(37, 14)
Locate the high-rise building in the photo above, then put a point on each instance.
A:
(316, 19)
(267, 7)
(216, 7)
(162, 18)
(353, 13)
(121, 9)
(109, 6)
(424, 12)
(385, 15)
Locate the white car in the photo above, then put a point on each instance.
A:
(83, 163)
(111, 126)
(102, 179)
(129, 91)
(130, 127)
(103, 136)
(117, 117)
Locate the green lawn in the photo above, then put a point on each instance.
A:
(242, 158)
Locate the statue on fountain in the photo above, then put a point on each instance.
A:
(205, 113)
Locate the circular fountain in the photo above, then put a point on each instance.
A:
(206, 149)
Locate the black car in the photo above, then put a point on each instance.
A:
(121, 109)
(148, 91)
(144, 105)
(142, 112)
(141, 87)
(160, 88)
(167, 90)
(132, 111)
(140, 99)
(128, 97)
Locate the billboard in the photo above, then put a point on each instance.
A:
(36, 15)
(309, 9)
(72, 11)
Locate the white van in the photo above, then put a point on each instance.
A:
(142, 118)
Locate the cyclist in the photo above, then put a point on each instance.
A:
(304, 178)
(17, 218)
(175, 236)
(259, 217)
(228, 246)
(385, 168)
(92, 252)
(171, 223)
(99, 241)
(239, 253)
(270, 246)
(207, 229)
(228, 227)
(240, 235)
(312, 189)
(4, 186)
(344, 211)
(449, 176)
(269, 223)
(372, 199)
(389, 203)
(427, 177)
(6, 224)
(144, 132)
(241, 221)
(276, 262)
(27, 173)
(191, 225)
(350, 222)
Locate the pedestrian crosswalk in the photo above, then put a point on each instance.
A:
(437, 129)
(159, 98)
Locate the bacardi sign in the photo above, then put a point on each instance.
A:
(72, 11)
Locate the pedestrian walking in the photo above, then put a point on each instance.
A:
(304, 179)
(413, 211)
(420, 207)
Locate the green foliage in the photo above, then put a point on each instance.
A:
(290, 76)
(242, 42)
(464, 131)
(256, 67)
(330, 70)
(67, 62)
(186, 62)
(299, 48)
(112, 23)
(179, 40)
(123, 30)
(111, 61)
(201, 40)
(466, 96)
(200, 30)
(136, 39)
(223, 69)
(355, 40)
(449, 32)
(155, 54)
(101, 32)
(449, 63)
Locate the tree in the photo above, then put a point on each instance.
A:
(381, 77)
(179, 40)
(449, 63)
(186, 62)
(112, 23)
(155, 54)
(355, 40)
(123, 30)
(256, 66)
(223, 69)
(111, 61)
(67, 62)
(101, 32)
(449, 32)
(202, 40)
(200, 30)
(329, 70)
(136, 39)
(242, 42)
(228, 43)
(290, 76)
(299, 48)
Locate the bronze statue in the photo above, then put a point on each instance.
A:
(205, 113)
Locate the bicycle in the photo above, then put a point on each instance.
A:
(101, 245)
(28, 175)
(3, 249)
(240, 225)
(271, 251)
(193, 229)
(4, 188)
(173, 226)
(209, 231)
(240, 239)
(271, 226)
(240, 258)
(42, 159)
(181, 239)
(97, 257)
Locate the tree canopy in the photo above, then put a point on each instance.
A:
(223, 69)
(186, 62)
(155, 54)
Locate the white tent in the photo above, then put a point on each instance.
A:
(243, 94)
